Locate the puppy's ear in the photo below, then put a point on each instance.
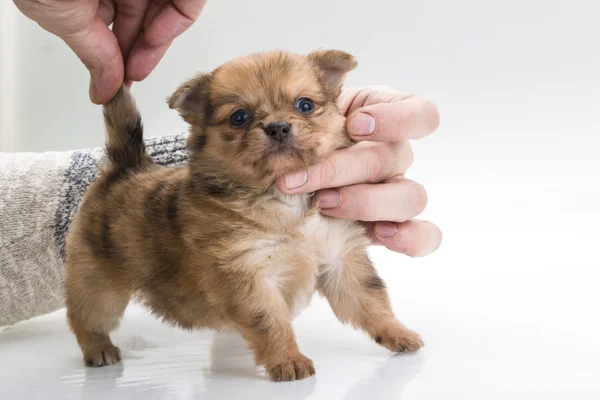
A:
(191, 97)
(333, 64)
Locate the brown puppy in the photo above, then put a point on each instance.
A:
(214, 243)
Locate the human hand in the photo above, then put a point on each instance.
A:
(366, 181)
(142, 32)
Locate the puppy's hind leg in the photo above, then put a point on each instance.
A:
(95, 308)
(358, 296)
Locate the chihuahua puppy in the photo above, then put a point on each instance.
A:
(213, 243)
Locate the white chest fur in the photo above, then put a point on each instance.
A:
(314, 242)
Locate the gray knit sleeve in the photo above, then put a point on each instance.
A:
(39, 194)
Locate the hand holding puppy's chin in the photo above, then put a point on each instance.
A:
(367, 181)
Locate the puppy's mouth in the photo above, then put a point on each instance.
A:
(283, 157)
(285, 149)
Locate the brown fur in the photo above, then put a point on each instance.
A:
(213, 243)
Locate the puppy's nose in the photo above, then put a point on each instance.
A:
(278, 131)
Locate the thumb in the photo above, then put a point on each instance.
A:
(411, 118)
(98, 49)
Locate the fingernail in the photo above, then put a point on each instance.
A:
(362, 125)
(328, 198)
(294, 181)
(386, 229)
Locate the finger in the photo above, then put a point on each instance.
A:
(412, 118)
(396, 201)
(351, 99)
(364, 162)
(143, 58)
(171, 20)
(99, 51)
(414, 238)
(155, 7)
(106, 12)
(129, 21)
(164, 21)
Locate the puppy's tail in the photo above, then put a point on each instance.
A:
(125, 146)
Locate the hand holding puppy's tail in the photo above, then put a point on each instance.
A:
(125, 146)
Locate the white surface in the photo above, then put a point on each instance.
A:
(508, 307)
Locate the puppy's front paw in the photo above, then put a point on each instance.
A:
(103, 356)
(399, 339)
(297, 367)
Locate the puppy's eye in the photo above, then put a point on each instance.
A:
(305, 105)
(239, 118)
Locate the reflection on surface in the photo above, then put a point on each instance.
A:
(163, 362)
(390, 380)
(230, 358)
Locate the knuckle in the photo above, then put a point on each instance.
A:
(375, 167)
(355, 206)
(328, 172)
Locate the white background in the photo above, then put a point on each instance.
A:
(508, 306)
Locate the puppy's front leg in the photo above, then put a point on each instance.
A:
(261, 314)
(358, 296)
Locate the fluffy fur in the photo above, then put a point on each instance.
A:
(214, 243)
